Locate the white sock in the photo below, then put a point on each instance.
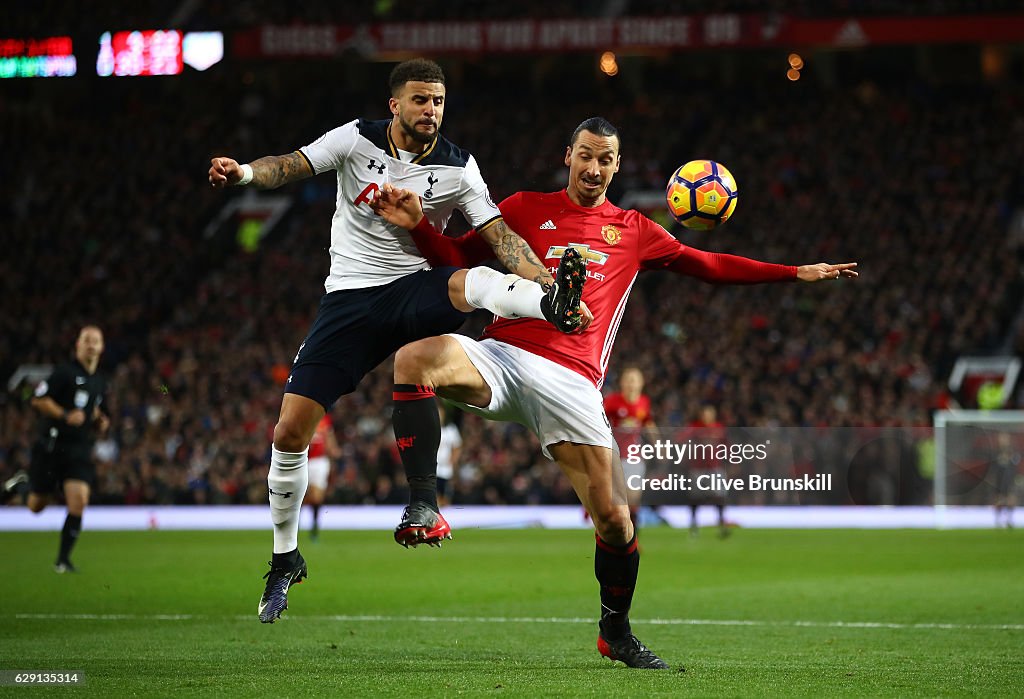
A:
(505, 295)
(287, 481)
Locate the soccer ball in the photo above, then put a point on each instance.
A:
(701, 194)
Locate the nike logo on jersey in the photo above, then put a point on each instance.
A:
(549, 225)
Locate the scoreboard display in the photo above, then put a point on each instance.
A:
(149, 52)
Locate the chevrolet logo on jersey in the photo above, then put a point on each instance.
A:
(589, 255)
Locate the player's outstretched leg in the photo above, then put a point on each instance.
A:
(561, 306)
(282, 575)
(511, 296)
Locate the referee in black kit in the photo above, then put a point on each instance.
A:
(69, 401)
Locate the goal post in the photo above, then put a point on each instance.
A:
(967, 443)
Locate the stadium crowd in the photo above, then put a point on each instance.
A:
(109, 208)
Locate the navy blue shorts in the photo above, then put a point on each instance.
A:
(357, 329)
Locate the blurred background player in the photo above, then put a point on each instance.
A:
(69, 402)
(448, 453)
(1007, 467)
(380, 292)
(521, 371)
(706, 430)
(323, 449)
(629, 414)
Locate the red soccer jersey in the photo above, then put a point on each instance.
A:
(628, 419)
(318, 444)
(622, 413)
(615, 243)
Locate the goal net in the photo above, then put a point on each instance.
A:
(974, 452)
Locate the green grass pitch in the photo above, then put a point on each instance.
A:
(512, 613)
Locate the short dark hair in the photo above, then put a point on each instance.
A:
(599, 126)
(417, 69)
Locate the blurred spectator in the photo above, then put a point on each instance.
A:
(107, 208)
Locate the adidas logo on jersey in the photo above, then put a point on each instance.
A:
(548, 225)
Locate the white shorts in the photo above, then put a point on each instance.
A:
(556, 403)
(319, 470)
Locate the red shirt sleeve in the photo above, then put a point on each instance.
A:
(467, 250)
(662, 251)
(441, 251)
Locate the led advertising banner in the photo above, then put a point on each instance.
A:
(157, 52)
(46, 57)
(150, 52)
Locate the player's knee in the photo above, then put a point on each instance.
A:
(415, 360)
(36, 505)
(290, 436)
(457, 290)
(613, 525)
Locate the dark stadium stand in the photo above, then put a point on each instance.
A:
(105, 205)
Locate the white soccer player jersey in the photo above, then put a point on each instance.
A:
(450, 441)
(365, 250)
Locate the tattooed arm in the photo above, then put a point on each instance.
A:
(513, 252)
(267, 173)
(403, 208)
